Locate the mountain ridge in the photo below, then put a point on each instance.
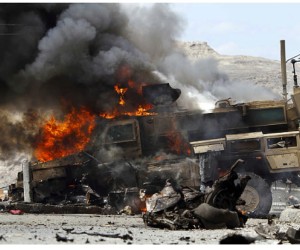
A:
(258, 70)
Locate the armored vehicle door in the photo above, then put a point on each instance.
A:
(282, 151)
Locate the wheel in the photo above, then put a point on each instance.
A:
(258, 197)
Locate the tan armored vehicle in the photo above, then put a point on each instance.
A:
(264, 134)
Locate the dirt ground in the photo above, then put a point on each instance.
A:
(113, 230)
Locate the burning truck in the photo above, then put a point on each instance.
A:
(160, 141)
(147, 148)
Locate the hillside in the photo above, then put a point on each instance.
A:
(261, 71)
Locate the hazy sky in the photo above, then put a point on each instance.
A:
(253, 29)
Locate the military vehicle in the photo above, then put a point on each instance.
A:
(264, 134)
(203, 146)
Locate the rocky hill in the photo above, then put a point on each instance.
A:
(261, 71)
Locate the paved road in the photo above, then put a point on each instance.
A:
(281, 193)
(101, 229)
(124, 229)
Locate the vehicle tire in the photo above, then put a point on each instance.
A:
(258, 197)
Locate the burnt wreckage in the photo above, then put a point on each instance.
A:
(264, 134)
(177, 207)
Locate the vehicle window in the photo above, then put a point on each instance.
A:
(119, 133)
(245, 145)
(282, 142)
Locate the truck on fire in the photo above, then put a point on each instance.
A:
(202, 146)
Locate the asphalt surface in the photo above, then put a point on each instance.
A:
(94, 229)
(117, 230)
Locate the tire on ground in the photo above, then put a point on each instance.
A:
(258, 197)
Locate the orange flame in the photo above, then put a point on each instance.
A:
(242, 212)
(70, 136)
(121, 92)
(141, 110)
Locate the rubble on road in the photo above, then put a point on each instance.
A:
(290, 214)
(171, 208)
(293, 235)
(39, 208)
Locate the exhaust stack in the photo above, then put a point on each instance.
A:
(283, 69)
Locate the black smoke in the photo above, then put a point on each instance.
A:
(77, 56)
(55, 56)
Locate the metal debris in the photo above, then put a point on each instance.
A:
(268, 231)
(124, 237)
(63, 238)
(293, 235)
(176, 207)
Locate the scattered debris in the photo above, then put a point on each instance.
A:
(177, 207)
(68, 230)
(293, 235)
(290, 214)
(60, 209)
(271, 231)
(126, 210)
(63, 238)
(2, 238)
(271, 219)
(169, 208)
(124, 237)
(268, 231)
(213, 218)
(16, 211)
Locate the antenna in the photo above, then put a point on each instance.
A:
(293, 61)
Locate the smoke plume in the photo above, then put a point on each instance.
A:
(56, 56)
